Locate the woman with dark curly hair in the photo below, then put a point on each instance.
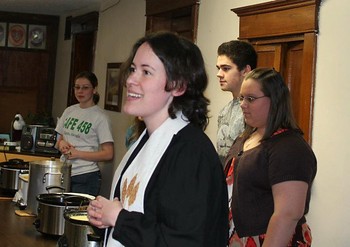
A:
(169, 189)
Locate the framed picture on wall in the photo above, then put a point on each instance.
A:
(17, 35)
(114, 91)
(37, 37)
(3, 33)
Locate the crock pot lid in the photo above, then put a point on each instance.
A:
(63, 199)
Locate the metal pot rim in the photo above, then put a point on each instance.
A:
(49, 163)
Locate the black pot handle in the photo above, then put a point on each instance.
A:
(93, 237)
(48, 188)
(36, 223)
(16, 161)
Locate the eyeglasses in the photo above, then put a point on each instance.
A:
(250, 99)
(84, 88)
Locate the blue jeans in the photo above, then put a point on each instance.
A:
(88, 183)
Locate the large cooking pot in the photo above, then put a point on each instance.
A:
(78, 232)
(10, 171)
(47, 174)
(51, 209)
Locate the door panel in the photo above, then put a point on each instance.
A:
(287, 57)
(269, 55)
(294, 56)
(82, 59)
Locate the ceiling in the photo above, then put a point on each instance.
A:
(47, 7)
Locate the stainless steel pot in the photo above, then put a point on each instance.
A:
(46, 174)
(51, 209)
(10, 171)
(78, 232)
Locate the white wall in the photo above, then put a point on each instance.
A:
(217, 24)
(329, 213)
(117, 32)
(330, 208)
(119, 27)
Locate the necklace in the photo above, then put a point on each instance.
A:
(252, 141)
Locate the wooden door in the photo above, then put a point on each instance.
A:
(84, 30)
(176, 16)
(286, 56)
(82, 59)
(284, 36)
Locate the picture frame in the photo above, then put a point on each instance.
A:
(36, 37)
(17, 35)
(3, 33)
(114, 91)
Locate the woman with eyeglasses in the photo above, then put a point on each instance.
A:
(270, 168)
(85, 136)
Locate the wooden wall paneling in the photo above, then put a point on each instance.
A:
(25, 69)
(27, 75)
(15, 101)
(154, 7)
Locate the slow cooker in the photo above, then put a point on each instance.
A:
(51, 209)
(10, 171)
(78, 232)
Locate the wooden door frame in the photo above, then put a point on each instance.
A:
(80, 26)
(285, 21)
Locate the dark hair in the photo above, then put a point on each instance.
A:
(280, 112)
(240, 52)
(91, 77)
(137, 128)
(184, 67)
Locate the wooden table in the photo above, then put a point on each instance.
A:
(16, 231)
(26, 156)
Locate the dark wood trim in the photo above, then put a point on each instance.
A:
(176, 16)
(308, 78)
(85, 23)
(154, 7)
(294, 17)
(26, 18)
